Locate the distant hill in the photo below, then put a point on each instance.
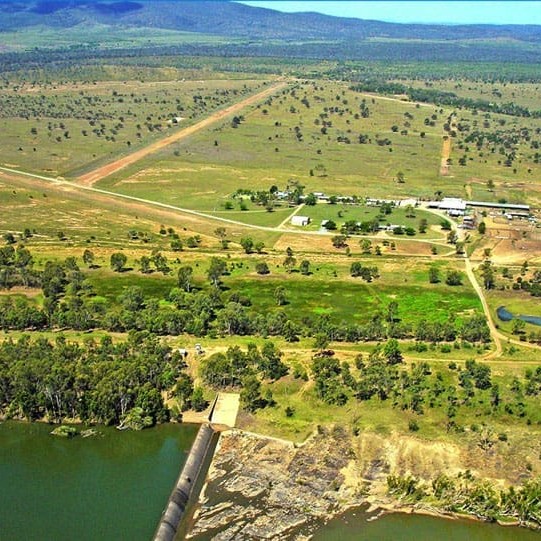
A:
(232, 19)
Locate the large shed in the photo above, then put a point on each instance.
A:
(300, 220)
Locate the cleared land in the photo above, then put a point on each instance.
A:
(94, 176)
(68, 128)
(316, 144)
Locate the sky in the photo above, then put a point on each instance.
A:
(450, 12)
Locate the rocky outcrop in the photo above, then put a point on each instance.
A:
(267, 488)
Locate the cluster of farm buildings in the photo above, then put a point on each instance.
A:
(452, 206)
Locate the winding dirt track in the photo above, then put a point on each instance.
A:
(89, 179)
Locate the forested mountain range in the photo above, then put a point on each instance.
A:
(232, 19)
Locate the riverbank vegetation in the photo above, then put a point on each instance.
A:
(464, 494)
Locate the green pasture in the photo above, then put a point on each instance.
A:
(341, 213)
(264, 150)
(352, 301)
(103, 36)
(329, 290)
(521, 93)
(64, 129)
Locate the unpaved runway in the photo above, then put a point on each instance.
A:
(89, 179)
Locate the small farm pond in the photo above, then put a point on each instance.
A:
(505, 315)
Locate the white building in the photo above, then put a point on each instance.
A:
(300, 220)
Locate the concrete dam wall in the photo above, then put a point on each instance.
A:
(176, 506)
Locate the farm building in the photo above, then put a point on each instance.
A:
(300, 220)
(505, 206)
(453, 206)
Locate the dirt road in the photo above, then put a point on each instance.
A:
(496, 336)
(89, 179)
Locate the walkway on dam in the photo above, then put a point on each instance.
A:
(226, 409)
(222, 413)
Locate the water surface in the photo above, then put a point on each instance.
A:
(112, 487)
(505, 315)
(354, 526)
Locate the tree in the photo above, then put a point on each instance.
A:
(487, 274)
(339, 241)
(184, 390)
(259, 246)
(433, 275)
(132, 299)
(423, 225)
(321, 341)
(482, 227)
(247, 244)
(88, 258)
(251, 393)
(392, 311)
(409, 211)
(216, 270)
(176, 245)
(454, 278)
(445, 225)
(366, 246)
(280, 296)
(184, 278)
(144, 264)
(400, 177)
(392, 352)
(310, 200)
(160, 262)
(330, 225)
(262, 268)
(118, 260)
(518, 326)
(289, 261)
(304, 267)
(197, 399)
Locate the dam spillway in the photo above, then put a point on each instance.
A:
(184, 487)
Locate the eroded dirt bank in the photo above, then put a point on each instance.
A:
(262, 488)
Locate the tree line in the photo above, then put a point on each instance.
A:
(441, 97)
(98, 381)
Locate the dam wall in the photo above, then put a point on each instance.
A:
(184, 487)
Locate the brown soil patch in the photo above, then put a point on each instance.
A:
(445, 155)
(91, 178)
(18, 290)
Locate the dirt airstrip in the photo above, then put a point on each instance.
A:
(89, 179)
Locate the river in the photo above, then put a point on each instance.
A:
(354, 526)
(113, 486)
